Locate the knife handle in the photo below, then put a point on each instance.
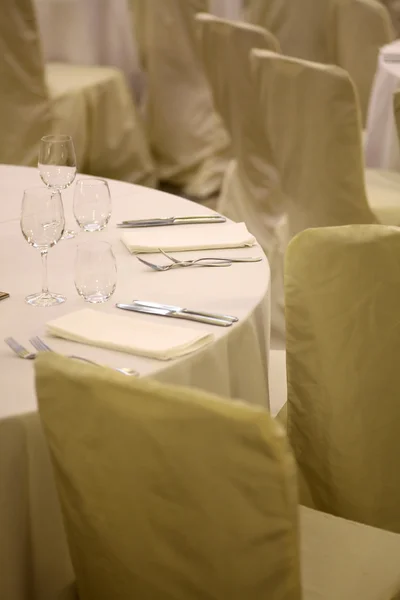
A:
(213, 316)
(201, 319)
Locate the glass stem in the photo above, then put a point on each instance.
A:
(45, 289)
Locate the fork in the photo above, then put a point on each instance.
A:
(180, 264)
(41, 346)
(22, 352)
(19, 350)
(243, 259)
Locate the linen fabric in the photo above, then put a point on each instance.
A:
(187, 137)
(251, 188)
(342, 287)
(316, 141)
(188, 237)
(168, 492)
(92, 104)
(347, 33)
(396, 111)
(128, 334)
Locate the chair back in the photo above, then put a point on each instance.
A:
(342, 290)
(251, 190)
(305, 28)
(363, 27)
(347, 33)
(25, 114)
(312, 120)
(188, 139)
(168, 492)
(396, 110)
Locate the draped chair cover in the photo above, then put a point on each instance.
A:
(396, 109)
(347, 33)
(312, 119)
(92, 104)
(173, 493)
(250, 191)
(187, 137)
(342, 289)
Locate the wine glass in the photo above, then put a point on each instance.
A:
(95, 272)
(92, 204)
(42, 225)
(57, 165)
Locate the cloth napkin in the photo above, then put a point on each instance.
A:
(188, 237)
(128, 334)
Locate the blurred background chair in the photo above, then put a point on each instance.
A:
(347, 33)
(184, 494)
(251, 187)
(188, 140)
(92, 104)
(316, 142)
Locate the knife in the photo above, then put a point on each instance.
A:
(184, 310)
(175, 314)
(173, 221)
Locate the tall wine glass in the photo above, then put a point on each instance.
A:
(42, 225)
(57, 165)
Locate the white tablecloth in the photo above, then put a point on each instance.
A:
(32, 544)
(89, 32)
(382, 150)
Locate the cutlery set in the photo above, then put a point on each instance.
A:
(155, 308)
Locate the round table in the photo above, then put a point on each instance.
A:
(382, 149)
(234, 365)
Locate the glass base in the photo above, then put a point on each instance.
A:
(45, 299)
(68, 234)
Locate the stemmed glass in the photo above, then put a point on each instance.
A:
(42, 225)
(57, 165)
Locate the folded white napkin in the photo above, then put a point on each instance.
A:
(188, 237)
(128, 334)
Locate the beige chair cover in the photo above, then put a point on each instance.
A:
(342, 290)
(396, 109)
(250, 191)
(169, 492)
(25, 112)
(93, 104)
(347, 33)
(393, 7)
(188, 139)
(173, 493)
(316, 141)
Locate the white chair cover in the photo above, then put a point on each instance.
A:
(250, 191)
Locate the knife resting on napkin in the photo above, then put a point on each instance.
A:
(127, 334)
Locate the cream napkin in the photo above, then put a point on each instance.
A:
(188, 237)
(128, 334)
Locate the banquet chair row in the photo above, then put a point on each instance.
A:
(297, 148)
(93, 104)
(342, 286)
(168, 492)
(348, 33)
(190, 145)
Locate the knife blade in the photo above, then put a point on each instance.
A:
(173, 221)
(175, 315)
(184, 310)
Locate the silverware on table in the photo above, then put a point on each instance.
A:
(41, 346)
(184, 310)
(19, 350)
(195, 219)
(162, 312)
(200, 262)
(242, 259)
